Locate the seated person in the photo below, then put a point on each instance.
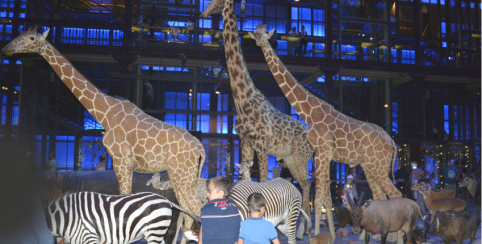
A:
(101, 165)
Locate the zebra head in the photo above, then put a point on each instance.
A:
(245, 170)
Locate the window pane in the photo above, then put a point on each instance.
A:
(294, 13)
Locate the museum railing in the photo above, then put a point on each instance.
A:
(106, 38)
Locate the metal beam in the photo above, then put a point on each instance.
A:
(311, 78)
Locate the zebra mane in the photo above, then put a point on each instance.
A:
(58, 198)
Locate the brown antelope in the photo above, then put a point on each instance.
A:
(474, 189)
(444, 204)
(385, 216)
(445, 193)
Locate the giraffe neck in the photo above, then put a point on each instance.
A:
(293, 90)
(242, 86)
(94, 100)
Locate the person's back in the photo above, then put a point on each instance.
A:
(256, 230)
(450, 175)
(219, 217)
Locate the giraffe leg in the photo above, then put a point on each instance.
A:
(376, 192)
(247, 153)
(263, 162)
(323, 195)
(298, 166)
(184, 181)
(124, 176)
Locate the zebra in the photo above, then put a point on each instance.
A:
(283, 203)
(89, 217)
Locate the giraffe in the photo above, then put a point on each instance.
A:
(334, 136)
(262, 128)
(136, 141)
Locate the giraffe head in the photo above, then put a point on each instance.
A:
(214, 7)
(261, 36)
(244, 169)
(27, 42)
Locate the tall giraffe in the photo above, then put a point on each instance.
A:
(334, 136)
(136, 141)
(262, 128)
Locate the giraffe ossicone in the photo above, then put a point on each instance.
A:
(261, 36)
(136, 141)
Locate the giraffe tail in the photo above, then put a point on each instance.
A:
(394, 157)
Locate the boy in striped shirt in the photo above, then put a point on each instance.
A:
(219, 217)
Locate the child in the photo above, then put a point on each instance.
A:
(256, 229)
(349, 189)
(219, 217)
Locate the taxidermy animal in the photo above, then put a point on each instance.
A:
(445, 193)
(343, 216)
(454, 225)
(474, 189)
(88, 217)
(385, 216)
(444, 204)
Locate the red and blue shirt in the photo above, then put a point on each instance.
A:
(220, 221)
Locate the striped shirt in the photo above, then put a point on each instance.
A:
(221, 222)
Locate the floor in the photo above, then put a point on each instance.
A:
(352, 239)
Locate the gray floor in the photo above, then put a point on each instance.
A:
(354, 238)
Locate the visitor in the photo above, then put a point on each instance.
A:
(303, 41)
(101, 164)
(220, 219)
(285, 172)
(349, 189)
(402, 174)
(51, 167)
(256, 229)
(292, 44)
(450, 176)
(416, 175)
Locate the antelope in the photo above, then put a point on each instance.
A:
(474, 189)
(385, 216)
(445, 193)
(444, 204)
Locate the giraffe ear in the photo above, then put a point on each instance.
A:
(251, 35)
(237, 165)
(251, 164)
(271, 33)
(44, 35)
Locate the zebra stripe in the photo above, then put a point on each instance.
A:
(283, 203)
(88, 217)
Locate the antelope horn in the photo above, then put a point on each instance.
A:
(360, 200)
(438, 224)
(350, 200)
